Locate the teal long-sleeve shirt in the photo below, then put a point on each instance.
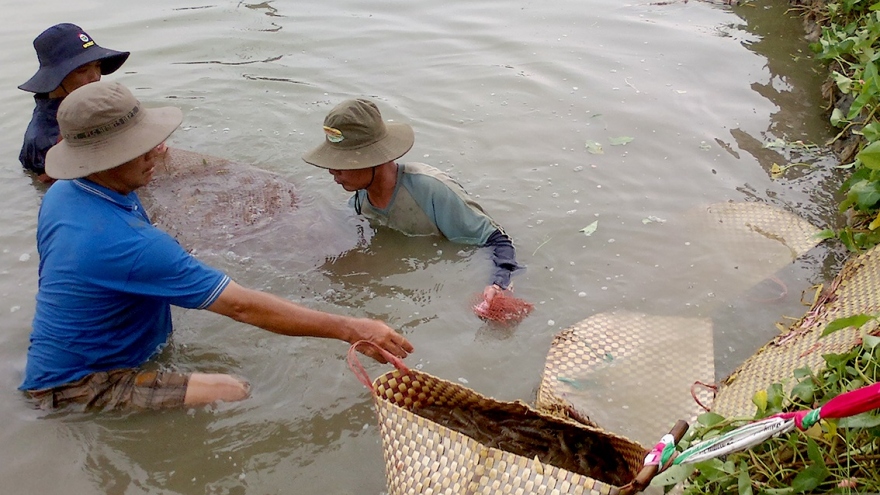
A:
(427, 201)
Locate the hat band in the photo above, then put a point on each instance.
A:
(104, 128)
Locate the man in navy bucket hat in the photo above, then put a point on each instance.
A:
(69, 58)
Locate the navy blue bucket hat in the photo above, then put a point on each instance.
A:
(61, 49)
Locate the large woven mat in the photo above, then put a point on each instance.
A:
(737, 224)
(633, 373)
(424, 457)
(630, 373)
(740, 243)
(855, 290)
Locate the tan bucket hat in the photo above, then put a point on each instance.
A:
(356, 137)
(103, 126)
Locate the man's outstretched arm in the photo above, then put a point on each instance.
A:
(281, 316)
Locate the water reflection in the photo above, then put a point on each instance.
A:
(388, 273)
(273, 79)
(219, 62)
(213, 451)
(792, 82)
(271, 11)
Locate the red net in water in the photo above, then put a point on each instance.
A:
(503, 308)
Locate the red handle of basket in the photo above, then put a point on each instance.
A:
(354, 363)
(844, 405)
(853, 402)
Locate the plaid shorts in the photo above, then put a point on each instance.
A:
(127, 388)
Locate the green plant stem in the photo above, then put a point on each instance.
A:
(864, 122)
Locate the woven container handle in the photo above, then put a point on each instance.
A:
(643, 479)
(354, 362)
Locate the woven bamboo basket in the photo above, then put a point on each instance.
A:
(423, 456)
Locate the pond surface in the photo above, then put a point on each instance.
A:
(530, 105)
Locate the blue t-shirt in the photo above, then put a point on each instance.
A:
(107, 280)
(41, 134)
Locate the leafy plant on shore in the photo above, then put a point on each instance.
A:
(849, 43)
(834, 456)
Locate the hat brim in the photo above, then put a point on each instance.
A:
(398, 140)
(64, 161)
(48, 78)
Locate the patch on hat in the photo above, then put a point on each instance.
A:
(333, 135)
(86, 41)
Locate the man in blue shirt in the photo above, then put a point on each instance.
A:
(69, 58)
(360, 150)
(108, 277)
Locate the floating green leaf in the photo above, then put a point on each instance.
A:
(620, 140)
(777, 171)
(776, 143)
(589, 229)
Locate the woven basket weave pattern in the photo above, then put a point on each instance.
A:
(423, 457)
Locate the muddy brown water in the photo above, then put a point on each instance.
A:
(530, 105)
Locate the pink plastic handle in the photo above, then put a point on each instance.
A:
(354, 363)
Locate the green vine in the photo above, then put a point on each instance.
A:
(849, 43)
(834, 456)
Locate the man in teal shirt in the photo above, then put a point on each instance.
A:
(361, 150)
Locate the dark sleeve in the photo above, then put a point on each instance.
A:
(504, 257)
(42, 133)
(33, 153)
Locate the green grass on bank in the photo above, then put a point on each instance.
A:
(849, 44)
(833, 456)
